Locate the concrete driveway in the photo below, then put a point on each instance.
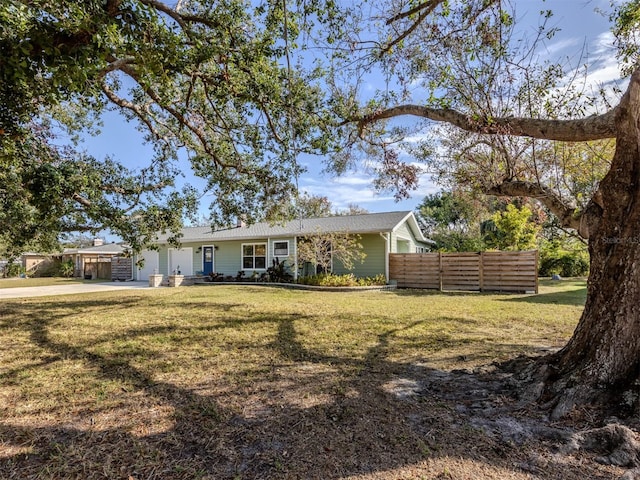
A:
(74, 288)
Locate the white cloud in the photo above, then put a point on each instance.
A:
(603, 43)
(604, 65)
(356, 188)
(417, 138)
(555, 48)
(352, 180)
(604, 74)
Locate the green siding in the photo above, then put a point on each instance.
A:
(289, 259)
(403, 240)
(374, 263)
(227, 259)
(197, 259)
(228, 254)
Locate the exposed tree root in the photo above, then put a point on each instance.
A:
(514, 404)
(615, 444)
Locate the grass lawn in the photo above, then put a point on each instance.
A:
(36, 282)
(242, 382)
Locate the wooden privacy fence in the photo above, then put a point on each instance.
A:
(121, 268)
(97, 267)
(482, 271)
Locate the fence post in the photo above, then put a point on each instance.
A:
(440, 269)
(536, 268)
(481, 271)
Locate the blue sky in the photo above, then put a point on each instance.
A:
(580, 24)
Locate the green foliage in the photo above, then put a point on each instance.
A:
(67, 269)
(48, 190)
(346, 280)
(626, 20)
(446, 210)
(304, 206)
(12, 270)
(511, 229)
(206, 78)
(323, 248)
(452, 220)
(565, 258)
(50, 270)
(279, 272)
(458, 241)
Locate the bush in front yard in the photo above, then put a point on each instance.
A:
(13, 270)
(346, 280)
(66, 269)
(564, 262)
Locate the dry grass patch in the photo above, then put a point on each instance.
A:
(36, 282)
(243, 382)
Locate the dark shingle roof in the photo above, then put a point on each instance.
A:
(365, 223)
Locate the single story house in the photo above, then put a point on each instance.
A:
(252, 248)
(36, 263)
(95, 261)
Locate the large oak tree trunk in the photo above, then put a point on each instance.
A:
(601, 362)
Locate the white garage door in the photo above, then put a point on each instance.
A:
(151, 264)
(182, 260)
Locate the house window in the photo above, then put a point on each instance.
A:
(281, 249)
(254, 256)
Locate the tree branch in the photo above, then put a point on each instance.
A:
(117, 64)
(567, 214)
(164, 8)
(112, 7)
(596, 127)
(428, 8)
(180, 19)
(179, 117)
(81, 200)
(133, 191)
(428, 5)
(126, 104)
(423, 9)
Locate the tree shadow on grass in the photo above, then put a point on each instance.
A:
(315, 415)
(575, 297)
(423, 292)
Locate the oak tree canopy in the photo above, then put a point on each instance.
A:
(210, 81)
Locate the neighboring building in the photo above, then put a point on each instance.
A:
(252, 248)
(35, 264)
(94, 262)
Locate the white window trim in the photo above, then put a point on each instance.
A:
(266, 256)
(279, 255)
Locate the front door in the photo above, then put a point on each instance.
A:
(207, 260)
